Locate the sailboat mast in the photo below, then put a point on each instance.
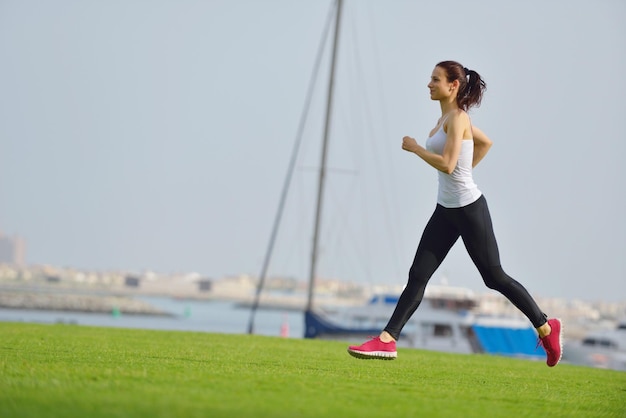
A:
(322, 173)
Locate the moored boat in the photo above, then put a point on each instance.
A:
(604, 349)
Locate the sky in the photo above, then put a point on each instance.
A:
(156, 136)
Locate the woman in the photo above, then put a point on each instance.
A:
(454, 147)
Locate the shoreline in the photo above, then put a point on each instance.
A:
(83, 303)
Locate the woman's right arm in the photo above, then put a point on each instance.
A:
(481, 145)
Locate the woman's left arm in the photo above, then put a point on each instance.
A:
(482, 143)
(445, 162)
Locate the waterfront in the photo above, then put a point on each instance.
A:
(184, 315)
(188, 302)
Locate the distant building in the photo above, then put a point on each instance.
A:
(12, 250)
(132, 281)
(53, 279)
(205, 285)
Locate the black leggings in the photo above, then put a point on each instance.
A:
(473, 224)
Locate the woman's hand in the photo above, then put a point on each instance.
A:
(409, 144)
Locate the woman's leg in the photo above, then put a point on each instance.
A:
(437, 239)
(480, 241)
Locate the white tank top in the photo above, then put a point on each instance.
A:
(458, 188)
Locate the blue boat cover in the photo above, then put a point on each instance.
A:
(315, 325)
(508, 341)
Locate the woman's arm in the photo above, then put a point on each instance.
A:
(481, 145)
(445, 162)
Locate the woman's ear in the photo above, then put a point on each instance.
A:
(454, 85)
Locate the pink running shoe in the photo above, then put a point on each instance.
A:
(553, 343)
(374, 349)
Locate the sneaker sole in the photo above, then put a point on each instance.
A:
(374, 355)
(560, 341)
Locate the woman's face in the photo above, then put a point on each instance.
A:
(439, 86)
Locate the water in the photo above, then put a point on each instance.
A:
(187, 315)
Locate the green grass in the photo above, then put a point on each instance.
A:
(75, 371)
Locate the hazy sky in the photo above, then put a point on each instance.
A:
(156, 135)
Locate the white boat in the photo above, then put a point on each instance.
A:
(604, 349)
(445, 321)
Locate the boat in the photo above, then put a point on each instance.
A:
(446, 321)
(605, 349)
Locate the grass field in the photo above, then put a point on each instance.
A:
(75, 371)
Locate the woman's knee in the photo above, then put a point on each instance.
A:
(495, 278)
(423, 267)
(416, 281)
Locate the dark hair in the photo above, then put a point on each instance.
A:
(471, 85)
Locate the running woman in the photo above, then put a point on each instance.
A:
(454, 147)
